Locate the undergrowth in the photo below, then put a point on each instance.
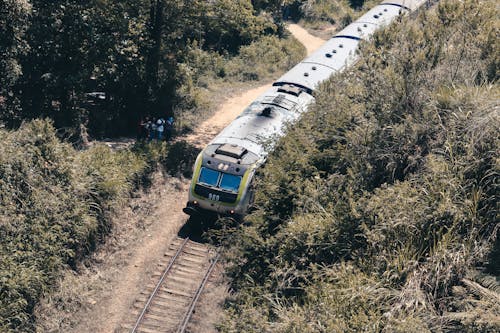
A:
(378, 212)
(316, 13)
(57, 205)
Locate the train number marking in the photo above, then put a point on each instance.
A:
(213, 197)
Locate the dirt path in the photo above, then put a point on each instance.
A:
(103, 293)
(309, 41)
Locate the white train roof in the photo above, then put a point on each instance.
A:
(340, 50)
(381, 15)
(330, 58)
(254, 129)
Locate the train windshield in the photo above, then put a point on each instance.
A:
(209, 177)
(224, 181)
(230, 182)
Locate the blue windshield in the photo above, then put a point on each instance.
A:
(230, 182)
(209, 177)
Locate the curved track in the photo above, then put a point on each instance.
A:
(167, 305)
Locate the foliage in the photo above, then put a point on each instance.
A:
(233, 23)
(378, 212)
(55, 209)
(340, 12)
(55, 53)
(278, 54)
(330, 11)
(13, 17)
(180, 158)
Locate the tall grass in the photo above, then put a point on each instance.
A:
(56, 207)
(379, 211)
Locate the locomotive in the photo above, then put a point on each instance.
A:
(223, 171)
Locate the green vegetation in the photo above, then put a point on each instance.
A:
(379, 210)
(57, 205)
(54, 205)
(317, 13)
(335, 12)
(136, 52)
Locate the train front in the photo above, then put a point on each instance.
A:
(221, 181)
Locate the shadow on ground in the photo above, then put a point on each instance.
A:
(196, 227)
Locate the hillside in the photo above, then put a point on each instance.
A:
(379, 210)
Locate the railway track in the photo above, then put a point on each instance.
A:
(168, 304)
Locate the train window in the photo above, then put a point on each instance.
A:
(209, 177)
(230, 182)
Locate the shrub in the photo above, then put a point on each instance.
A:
(208, 73)
(180, 158)
(55, 208)
(378, 211)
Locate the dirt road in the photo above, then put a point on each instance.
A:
(105, 291)
(310, 42)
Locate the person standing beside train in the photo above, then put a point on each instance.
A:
(152, 129)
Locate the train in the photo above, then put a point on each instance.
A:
(223, 171)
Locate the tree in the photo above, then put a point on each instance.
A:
(129, 50)
(57, 66)
(14, 16)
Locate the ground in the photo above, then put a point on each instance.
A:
(100, 296)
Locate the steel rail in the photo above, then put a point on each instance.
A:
(189, 313)
(165, 272)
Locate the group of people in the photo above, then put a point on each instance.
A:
(151, 128)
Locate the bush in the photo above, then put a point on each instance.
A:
(208, 73)
(180, 159)
(55, 208)
(339, 13)
(263, 59)
(378, 211)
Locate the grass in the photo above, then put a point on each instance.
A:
(57, 204)
(378, 211)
